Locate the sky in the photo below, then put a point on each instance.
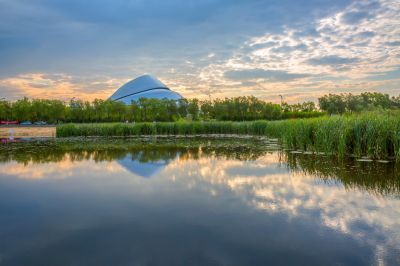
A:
(301, 49)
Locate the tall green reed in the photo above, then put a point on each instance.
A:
(376, 135)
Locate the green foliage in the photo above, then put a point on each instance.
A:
(33, 110)
(241, 108)
(375, 177)
(376, 135)
(373, 135)
(367, 101)
(149, 110)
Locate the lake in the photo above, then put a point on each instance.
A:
(193, 202)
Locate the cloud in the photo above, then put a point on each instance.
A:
(331, 55)
(394, 43)
(354, 17)
(311, 32)
(270, 75)
(56, 86)
(102, 41)
(286, 49)
(332, 60)
(125, 37)
(366, 34)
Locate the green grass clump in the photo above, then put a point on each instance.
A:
(164, 128)
(376, 135)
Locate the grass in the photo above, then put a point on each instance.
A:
(376, 135)
(375, 177)
(162, 128)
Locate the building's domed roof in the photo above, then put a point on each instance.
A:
(145, 163)
(143, 169)
(144, 87)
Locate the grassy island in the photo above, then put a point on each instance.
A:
(376, 135)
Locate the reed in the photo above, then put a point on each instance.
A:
(376, 135)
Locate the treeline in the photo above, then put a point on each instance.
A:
(247, 108)
(148, 110)
(349, 103)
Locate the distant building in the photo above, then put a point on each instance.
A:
(144, 87)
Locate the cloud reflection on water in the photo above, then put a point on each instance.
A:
(265, 184)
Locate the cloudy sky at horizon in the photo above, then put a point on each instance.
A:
(300, 49)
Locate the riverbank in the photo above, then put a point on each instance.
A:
(32, 131)
(375, 136)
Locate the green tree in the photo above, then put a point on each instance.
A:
(193, 108)
(333, 104)
(22, 110)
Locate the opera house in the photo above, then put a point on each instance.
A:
(144, 87)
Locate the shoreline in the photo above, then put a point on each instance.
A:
(27, 131)
(264, 142)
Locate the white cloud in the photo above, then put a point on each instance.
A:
(335, 53)
(345, 47)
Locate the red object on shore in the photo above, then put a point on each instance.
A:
(3, 122)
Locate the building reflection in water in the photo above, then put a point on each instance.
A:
(281, 199)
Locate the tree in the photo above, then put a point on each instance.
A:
(22, 110)
(206, 110)
(193, 108)
(5, 110)
(332, 104)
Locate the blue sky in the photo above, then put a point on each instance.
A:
(300, 49)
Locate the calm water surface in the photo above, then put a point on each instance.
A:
(230, 203)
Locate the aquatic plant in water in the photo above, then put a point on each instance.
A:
(376, 135)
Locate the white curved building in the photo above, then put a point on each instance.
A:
(144, 87)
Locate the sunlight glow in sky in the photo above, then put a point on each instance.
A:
(300, 49)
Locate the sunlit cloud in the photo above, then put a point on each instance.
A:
(236, 49)
(57, 86)
(344, 47)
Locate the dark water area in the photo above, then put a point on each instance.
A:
(193, 202)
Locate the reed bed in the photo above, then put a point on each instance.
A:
(373, 135)
(163, 128)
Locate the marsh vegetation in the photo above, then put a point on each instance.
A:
(376, 135)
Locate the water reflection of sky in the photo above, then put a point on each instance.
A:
(191, 211)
